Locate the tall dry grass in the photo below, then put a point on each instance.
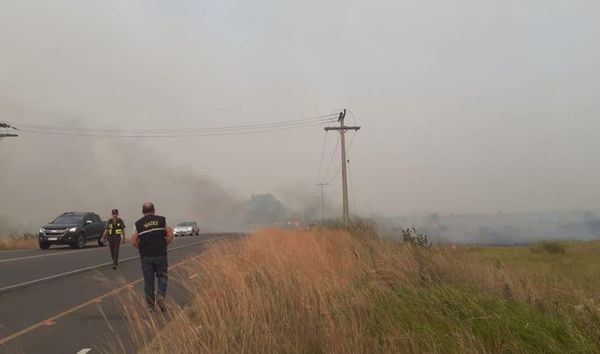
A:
(341, 292)
(27, 241)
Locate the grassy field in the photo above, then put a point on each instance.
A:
(567, 279)
(345, 292)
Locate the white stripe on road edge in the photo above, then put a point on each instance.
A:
(87, 303)
(45, 255)
(81, 270)
(15, 251)
(84, 351)
(13, 259)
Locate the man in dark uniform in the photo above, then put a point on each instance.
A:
(151, 236)
(115, 232)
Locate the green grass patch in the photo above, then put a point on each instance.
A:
(446, 319)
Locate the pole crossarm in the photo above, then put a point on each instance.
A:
(342, 128)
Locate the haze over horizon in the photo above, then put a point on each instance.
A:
(465, 106)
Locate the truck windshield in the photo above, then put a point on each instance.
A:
(68, 219)
(185, 224)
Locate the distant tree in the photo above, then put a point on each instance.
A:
(266, 209)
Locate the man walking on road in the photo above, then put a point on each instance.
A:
(151, 236)
(115, 232)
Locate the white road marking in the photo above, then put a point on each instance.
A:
(20, 250)
(45, 255)
(80, 270)
(84, 351)
(94, 300)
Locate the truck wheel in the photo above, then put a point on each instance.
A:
(80, 243)
(44, 245)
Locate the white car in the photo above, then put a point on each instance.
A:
(187, 228)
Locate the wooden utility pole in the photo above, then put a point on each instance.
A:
(322, 185)
(342, 129)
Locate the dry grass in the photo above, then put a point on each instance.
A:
(341, 292)
(16, 243)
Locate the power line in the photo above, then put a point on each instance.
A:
(350, 145)
(352, 194)
(322, 185)
(321, 159)
(176, 132)
(339, 168)
(337, 142)
(172, 135)
(169, 132)
(323, 118)
(353, 116)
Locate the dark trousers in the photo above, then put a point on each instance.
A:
(114, 243)
(155, 267)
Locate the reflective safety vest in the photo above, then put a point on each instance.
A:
(115, 227)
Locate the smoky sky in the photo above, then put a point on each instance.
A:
(465, 106)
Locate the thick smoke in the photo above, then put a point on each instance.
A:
(50, 175)
(138, 65)
(468, 113)
(43, 176)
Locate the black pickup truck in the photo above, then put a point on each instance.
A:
(73, 229)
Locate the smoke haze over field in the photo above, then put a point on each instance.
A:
(499, 228)
(466, 106)
(76, 176)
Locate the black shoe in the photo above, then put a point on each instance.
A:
(114, 266)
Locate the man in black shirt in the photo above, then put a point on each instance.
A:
(115, 232)
(151, 236)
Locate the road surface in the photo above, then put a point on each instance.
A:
(66, 301)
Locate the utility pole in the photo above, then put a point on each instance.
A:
(7, 134)
(342, 129)
(322, 185)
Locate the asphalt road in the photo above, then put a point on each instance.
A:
(67, 301)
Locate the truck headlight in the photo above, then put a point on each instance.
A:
(73, 229)
(41, 230)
